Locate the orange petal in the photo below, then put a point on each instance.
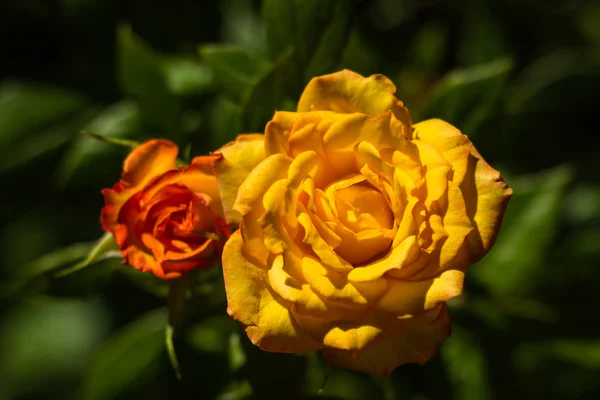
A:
(146, 162)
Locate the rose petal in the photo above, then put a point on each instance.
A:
(269, 323)
(349, 92)
(485, 192)
(413, 340)
(233, 162)
(149, 160)
(259, 180)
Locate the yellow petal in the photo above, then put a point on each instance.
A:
(402, 254)
(275, 236)
(485, 193)
(269, 323)
(348, 92)
(409, 298)
(457, 224)
(321, 248)
(233, 164)
(360, 208)
(486, 197)
(454, 146)
(259, 180)
(278, 132)
(382, 131)
(413, 340)
(334, 286)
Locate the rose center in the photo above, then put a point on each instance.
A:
(360, 208)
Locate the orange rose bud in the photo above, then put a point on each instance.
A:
(165, 219)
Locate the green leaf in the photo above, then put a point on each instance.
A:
(316, 30)
(330, 48)
(466, 97)
(45, 265)
(518, 257)
(46, 342)
(235, 69)
(25, 107)
(583, 352)
(143, 78)
(119, 121)
(481, 35)
(560, 80)
(236, 390)
(466, 365)
(132, 357)
(106, 247)
(43, 142)
(212, 335)
(266, 96)
(145, 281)
(187, 77)
(224, 122)
(563, 368)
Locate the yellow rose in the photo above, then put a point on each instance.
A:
(355, 225)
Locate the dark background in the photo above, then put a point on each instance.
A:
(520, 77)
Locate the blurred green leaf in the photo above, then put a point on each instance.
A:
(349, 385)
(143, 78)
(538, 87)
(187, 77)
(212, 334)
(145, 280)
(243, 25)
(583, 203)
(121, 120)
(25, 107)
(482, 39)
(45, 141)
(266, 96)
(45, 265)
(47, 342)
(317, 30)
(466, 365)
(129, 358)
(106, 247)
(567, 368)
(466, 97)
(583, 352)
(270, 373)
(237, 390)
(235, 69)
(518, 256)
(224, 124)
(332, 42)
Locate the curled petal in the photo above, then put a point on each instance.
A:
(146, 162)
(485, 192)
(232, 163)
(348, 92)
(259, 180)
(412, 340)
(250, 300)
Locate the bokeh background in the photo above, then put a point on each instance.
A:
(520, 77)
